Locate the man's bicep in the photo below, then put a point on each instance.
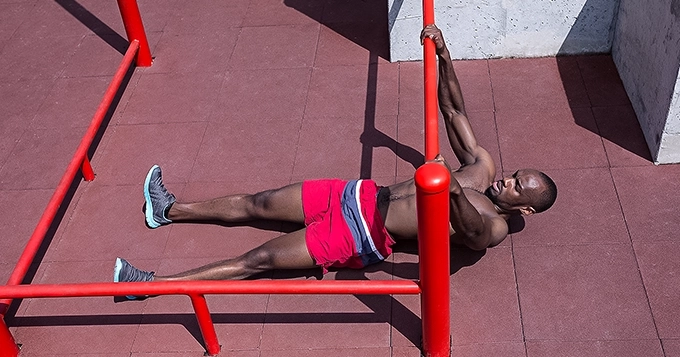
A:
(495, 230)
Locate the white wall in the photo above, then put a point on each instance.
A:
(646, 51)
(506, 28)
(669, 150)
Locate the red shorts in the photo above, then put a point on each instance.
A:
(344, 227)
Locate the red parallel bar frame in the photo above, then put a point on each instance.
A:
(432, 183)
(196, 291)
(132, 20)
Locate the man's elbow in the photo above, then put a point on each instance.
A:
(477, 243)
(452, 114)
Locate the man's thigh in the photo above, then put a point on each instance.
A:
(283, 204)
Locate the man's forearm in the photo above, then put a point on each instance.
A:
(450, 95)
(464, 217)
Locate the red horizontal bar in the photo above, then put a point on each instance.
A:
(362, 287)
(57, 198)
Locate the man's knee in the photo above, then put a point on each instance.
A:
(258, 259)
(261, 203)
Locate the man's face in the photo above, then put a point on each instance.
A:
(520, 190)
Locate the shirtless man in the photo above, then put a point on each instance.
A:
(353, 224)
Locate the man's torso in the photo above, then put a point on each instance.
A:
(397, 205)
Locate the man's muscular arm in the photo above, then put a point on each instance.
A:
(460, 134)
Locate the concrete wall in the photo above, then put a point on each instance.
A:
(646, 51)
(669, 150)
(506, 28)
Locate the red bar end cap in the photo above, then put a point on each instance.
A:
(432, 178)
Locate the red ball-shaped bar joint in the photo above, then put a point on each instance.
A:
(432, 178)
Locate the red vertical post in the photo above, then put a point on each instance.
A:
(212, 345)
(432, 199)
(132, 20)
(430, 73)
(86, 169)
(432, 202)
(8, 348)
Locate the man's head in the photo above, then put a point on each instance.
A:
(527, 191)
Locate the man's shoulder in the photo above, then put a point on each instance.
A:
(482, 203)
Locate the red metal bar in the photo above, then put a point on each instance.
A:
(8, 347)
(132, 20)
(430, 73)
(432, 197)
(432, 181)
(57, 198)
(196, 291)
(432, 201)
(205, 323)
(86, 168)
(363, 287)
(136, 35)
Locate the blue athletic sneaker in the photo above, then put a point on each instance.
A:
(158, 199)
(124, 272)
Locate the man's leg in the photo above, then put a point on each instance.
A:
(283, 204)
(161, 208)
(288, 251)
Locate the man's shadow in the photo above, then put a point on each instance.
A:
(405, 319)
(365, 23)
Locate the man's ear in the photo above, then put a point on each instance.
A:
(527, 211)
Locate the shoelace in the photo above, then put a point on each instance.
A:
(159, 182)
